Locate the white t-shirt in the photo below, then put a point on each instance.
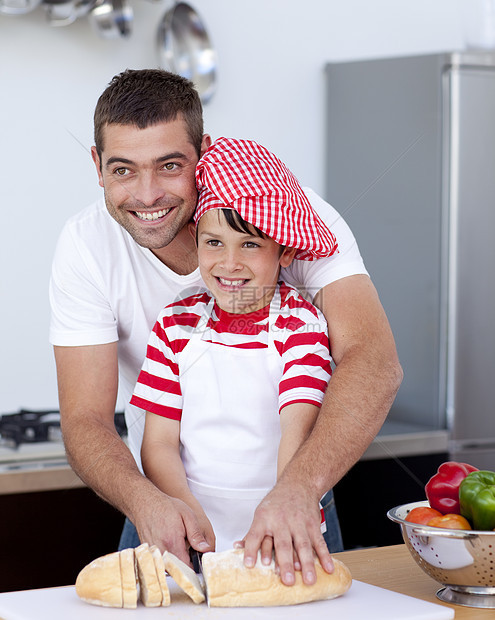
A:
(105, 288)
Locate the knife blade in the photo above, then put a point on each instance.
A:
(196, 559)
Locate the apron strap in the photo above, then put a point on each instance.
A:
(273, 313)
(199, 330)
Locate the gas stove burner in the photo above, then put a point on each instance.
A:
(29, 426)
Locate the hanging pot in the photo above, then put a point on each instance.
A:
(112, 18)
(18, 7)
(184, 47)
(65, 12)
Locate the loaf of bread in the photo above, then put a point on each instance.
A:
(117, 579)
(230, 584)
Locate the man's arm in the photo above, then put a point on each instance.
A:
(356, 403)
(87, 383)
(162, 464)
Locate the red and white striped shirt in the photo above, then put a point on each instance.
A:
(300, 337)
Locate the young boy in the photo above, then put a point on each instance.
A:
(234, 376)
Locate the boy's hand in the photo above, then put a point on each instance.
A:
(288, 522)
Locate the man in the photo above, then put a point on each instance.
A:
(121, 260)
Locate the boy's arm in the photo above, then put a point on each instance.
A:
(162, 464)
(296, 422)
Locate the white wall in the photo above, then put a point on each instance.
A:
(270, 88)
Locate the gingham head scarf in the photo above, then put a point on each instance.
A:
(244, 176)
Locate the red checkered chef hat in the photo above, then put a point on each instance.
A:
(244, 176)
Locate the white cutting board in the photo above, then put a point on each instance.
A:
(361, 601)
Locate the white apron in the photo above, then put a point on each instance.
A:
(230, 426)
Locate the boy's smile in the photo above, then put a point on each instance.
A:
(240, 269)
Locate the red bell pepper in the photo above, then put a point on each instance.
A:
(442, 489)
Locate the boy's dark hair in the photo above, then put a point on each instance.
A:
(144, 97)
(235, 221)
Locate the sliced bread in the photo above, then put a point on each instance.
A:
(160, 572)
(184, 577)
(129, 581)
(150, 590)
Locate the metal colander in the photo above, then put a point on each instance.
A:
(463, 561)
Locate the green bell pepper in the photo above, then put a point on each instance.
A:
(477, 497)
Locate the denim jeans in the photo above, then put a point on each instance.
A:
(129, 537)
(332, 536)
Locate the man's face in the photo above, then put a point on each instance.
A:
(148, 178)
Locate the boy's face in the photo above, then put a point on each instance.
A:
(241, 270)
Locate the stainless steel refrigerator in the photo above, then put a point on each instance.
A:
(410, 164)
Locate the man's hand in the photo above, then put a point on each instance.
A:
(288, 521)
(170, 524)
(88, 380)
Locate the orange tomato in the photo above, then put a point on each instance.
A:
(451, 522)
(422, 514)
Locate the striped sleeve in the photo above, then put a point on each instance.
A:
(305, 353)
(158, 385)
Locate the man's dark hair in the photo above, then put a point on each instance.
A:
(144, 97)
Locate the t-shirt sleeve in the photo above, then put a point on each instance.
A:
(306, 360)
(158, 385)
(80, 311)
(311, 276)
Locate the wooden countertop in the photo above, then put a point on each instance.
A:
(50, 479)
(394, 569)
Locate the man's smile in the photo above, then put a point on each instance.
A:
(151, 216)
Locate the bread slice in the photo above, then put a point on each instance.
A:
(230, 584)
(160, 572)
(99, 583)
(184, 576)
(128, 577)
(150, 590)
